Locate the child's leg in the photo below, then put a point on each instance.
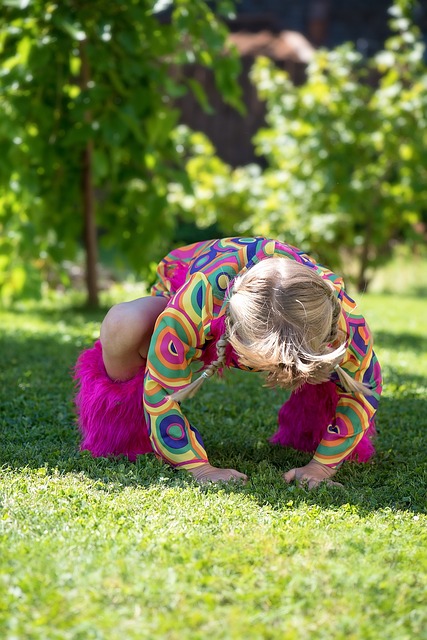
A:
(109, 407)
(126, 333)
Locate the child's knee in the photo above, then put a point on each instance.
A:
(116, 327)
(128, 326)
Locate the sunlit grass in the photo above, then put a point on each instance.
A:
(107, 549)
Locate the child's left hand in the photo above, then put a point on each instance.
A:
(311, 475)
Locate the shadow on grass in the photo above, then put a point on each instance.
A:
(70, 313)
(238, 415)
(415, 292)
(401, 341)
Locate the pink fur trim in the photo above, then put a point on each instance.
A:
(110, 414)
(304, 418)
(177, 275)
(210, 352)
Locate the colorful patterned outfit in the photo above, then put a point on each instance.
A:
(196, 280)
(184, 330)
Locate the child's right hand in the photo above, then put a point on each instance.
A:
(207, 473)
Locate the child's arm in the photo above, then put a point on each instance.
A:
(173, 358)
(354, 412)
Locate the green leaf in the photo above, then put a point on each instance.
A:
(73, 29)
(100, 164)
(19, 4)
(200, 95)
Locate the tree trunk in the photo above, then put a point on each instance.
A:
(90, 238)
(88, 200)
(362, 281)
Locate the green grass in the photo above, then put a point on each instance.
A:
(106, 549)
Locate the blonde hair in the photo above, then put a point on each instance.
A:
(283, 319)
(191, 389)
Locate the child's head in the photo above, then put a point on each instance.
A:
(283, 319)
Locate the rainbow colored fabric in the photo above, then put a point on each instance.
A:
(185, 330)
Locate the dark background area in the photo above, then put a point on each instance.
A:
(288, 32)
(324, 22)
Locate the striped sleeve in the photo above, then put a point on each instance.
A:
(173, 358)
(354, 412)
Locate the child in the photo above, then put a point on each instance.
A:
(252, 303)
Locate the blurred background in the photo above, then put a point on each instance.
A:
(132, 127)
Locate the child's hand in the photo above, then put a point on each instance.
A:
(311, 475)
(207, 473)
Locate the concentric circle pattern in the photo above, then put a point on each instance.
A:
(197, 279)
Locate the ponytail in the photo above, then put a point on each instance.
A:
(350, 384)
(191, 389)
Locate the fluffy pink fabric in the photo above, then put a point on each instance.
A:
(210, 353)
(110, 414)
(177, 275)
(304, 418)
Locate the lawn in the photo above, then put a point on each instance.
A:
(107, 549)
